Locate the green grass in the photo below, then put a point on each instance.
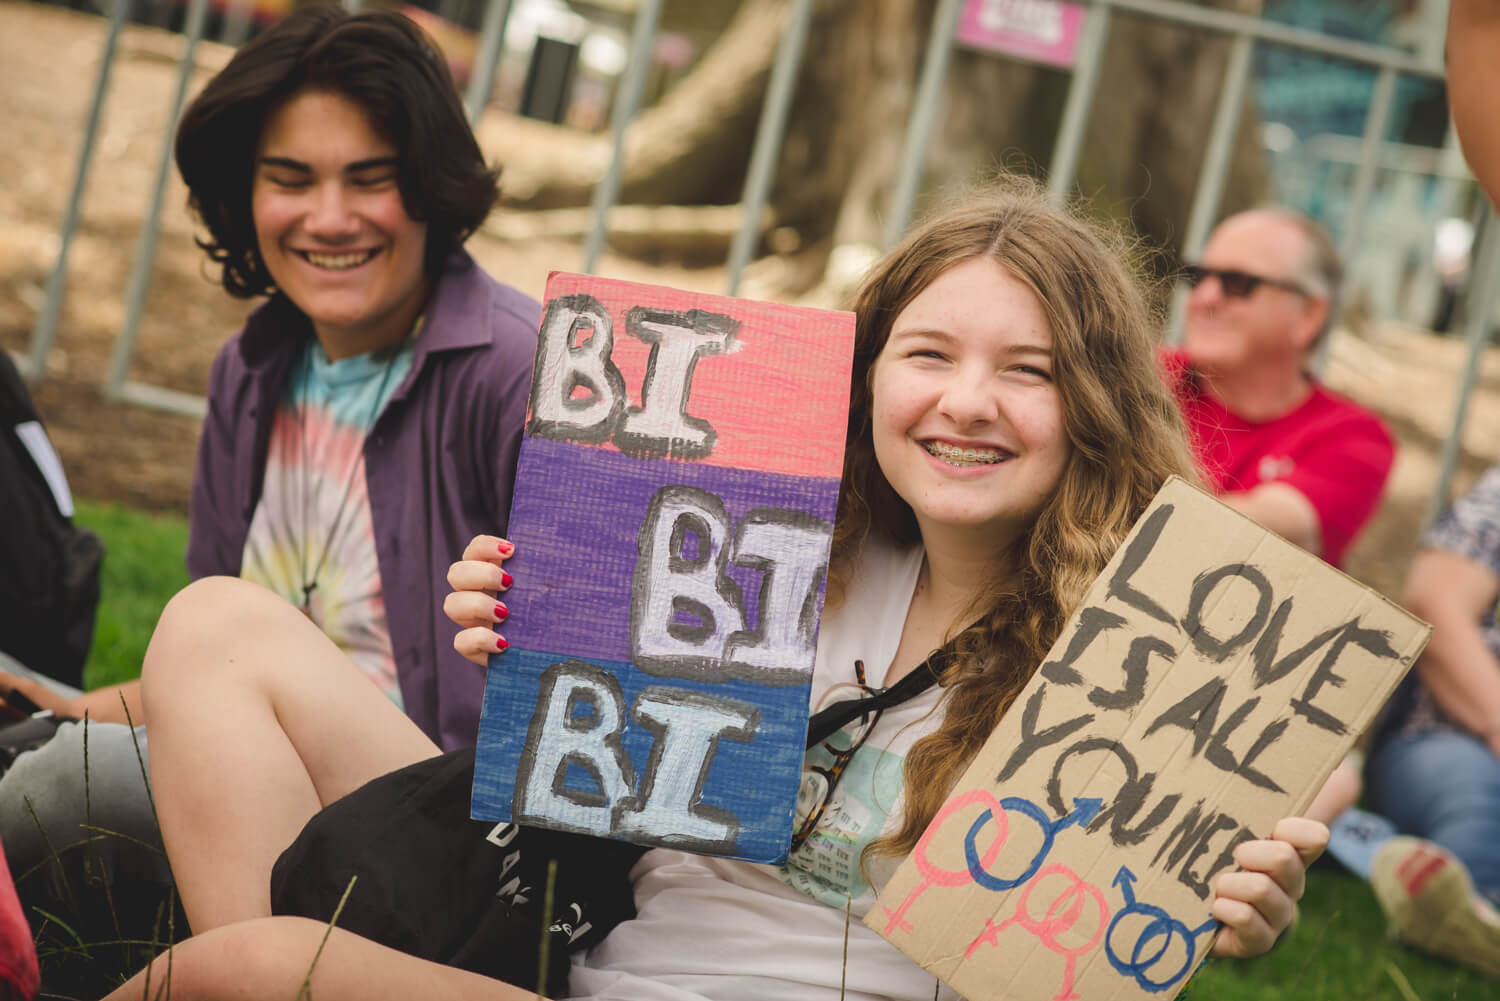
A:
(1338, 951)
(79, 943)
(142, 569)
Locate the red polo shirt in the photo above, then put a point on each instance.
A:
(1334, 452)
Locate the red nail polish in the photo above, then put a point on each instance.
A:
(505, 579)
(505, 548)
(500, 644)
(501, 612)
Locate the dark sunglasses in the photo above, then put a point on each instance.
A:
(1237, 284)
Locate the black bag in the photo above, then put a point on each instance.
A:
(465, 893)
(49, 567)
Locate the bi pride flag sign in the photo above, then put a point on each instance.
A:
(673, 512)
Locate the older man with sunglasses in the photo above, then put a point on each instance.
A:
(1273, 442)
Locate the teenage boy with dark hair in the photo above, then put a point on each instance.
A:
(364, 424)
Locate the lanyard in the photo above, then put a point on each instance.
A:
(831, 719)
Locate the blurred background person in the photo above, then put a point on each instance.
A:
(1273, 442)
(1434, 772)
(1473, 52)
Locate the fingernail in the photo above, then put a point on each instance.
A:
(505, 548)
(501, 612)
(505, 580)
(500, 644)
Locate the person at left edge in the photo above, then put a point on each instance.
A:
(364, 424)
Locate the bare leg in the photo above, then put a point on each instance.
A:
(257, 720)
(270, 958)
(1339, 792)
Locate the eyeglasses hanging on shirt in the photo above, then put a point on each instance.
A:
(828, 727)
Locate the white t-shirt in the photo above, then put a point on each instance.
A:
(713, 929)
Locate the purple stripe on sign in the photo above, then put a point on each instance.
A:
(722, 566)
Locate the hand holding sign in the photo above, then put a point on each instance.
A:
(476, 602)
(1261, 897)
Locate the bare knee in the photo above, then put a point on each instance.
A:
(272, 954)
(200, 623)
(269, 951)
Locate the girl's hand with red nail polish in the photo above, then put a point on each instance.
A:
(476, 579)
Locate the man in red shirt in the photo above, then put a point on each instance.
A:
(1273, 442)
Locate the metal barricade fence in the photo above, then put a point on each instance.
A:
(1245, 31)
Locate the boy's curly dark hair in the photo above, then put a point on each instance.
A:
(382, 62)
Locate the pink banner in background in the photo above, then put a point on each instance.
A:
(1043, 31)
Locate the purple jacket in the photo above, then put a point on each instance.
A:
(440, 463)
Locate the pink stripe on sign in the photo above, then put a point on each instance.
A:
(768, 389)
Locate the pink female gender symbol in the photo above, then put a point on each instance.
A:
(935, 876)
(1051, 924)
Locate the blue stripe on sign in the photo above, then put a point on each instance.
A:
(603, 748)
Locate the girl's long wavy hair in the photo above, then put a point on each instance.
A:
(1124, 430)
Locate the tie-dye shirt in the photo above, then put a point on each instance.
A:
(312, 525)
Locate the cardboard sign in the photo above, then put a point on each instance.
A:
(1212, 679)
(1041, 31)
(674, 506)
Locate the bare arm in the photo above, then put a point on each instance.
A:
(102, 705)
(1473, 82)
(1458, 668)
(1283, 509)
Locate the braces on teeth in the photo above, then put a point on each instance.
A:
(973, 455)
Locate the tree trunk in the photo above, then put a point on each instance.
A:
(1143, 146)
(1145, 140)
(690, 148)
